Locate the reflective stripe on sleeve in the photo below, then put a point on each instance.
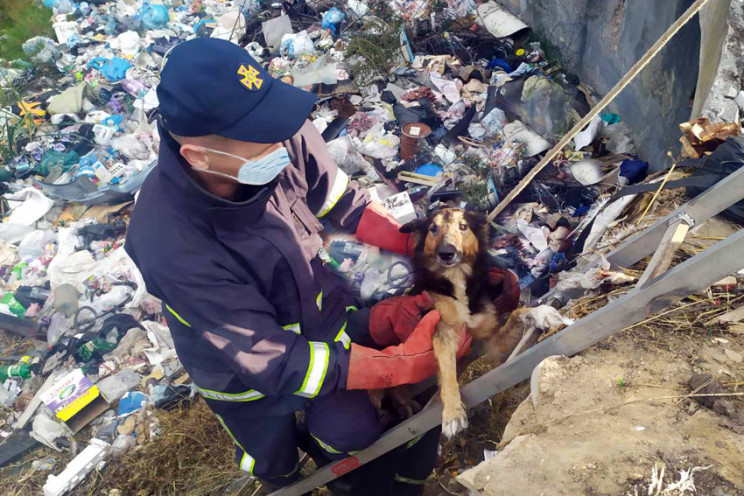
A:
(334, 195)
(351, 308)
(249, 395)
(319, 300)
(325, 446)
(247, 463)
(316, 371)
(180, 319)
(293, 327)
(408, 480)
(344, 338)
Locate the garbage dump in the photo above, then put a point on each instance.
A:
(424, 103)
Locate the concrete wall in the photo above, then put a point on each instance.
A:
(600, 40)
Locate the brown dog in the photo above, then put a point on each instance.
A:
(451, 264)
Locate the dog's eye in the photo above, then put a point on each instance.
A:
(463, 227)
(433, 228)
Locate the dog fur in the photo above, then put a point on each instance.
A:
(451, 264)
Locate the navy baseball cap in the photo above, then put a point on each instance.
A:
(212, 86)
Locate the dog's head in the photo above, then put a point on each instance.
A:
(449, 237)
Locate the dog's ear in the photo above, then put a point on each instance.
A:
(415, 225)
(476, 220)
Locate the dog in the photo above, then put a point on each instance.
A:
(450, 262)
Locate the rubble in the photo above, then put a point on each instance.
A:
(424, 103)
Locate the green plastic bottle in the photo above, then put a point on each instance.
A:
(85, 351)
(22, 370)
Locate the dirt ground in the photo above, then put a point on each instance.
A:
(605, 418)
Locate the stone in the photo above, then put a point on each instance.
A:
(127, 427)
(733, 355)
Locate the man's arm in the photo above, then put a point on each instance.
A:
(240, 323)
(331, 194)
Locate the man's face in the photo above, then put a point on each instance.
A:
(198, 153)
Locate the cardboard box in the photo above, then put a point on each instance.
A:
(75, 400)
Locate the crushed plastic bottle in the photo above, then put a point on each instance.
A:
(19, 371)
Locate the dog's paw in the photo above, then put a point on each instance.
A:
(454, 421)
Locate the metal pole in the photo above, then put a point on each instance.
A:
(694, 274)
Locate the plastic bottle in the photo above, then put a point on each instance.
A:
(22, 370)
(57, 327)
(86, 351)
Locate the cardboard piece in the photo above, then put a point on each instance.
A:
(75, 400)
(102, 212)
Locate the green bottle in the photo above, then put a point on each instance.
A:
(22, 370)
(85, 351)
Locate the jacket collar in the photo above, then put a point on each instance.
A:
(191, 196)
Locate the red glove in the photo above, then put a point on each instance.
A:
(508, 300)
(391, 321)
(378, 228)
(407, 363)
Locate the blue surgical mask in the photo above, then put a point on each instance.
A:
(256, 172)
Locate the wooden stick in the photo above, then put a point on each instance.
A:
(664, 255)
(657, 193)
(594, 112)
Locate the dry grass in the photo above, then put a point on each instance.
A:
(192, 456)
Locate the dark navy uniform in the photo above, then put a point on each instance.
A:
(261, 325)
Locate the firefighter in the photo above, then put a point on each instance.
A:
(226, 233)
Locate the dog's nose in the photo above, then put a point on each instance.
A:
(446, 252)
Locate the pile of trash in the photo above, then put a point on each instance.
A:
(423, 103)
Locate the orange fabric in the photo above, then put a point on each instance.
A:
(407, 363)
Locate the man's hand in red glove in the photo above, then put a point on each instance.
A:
(407, 363)
(378, 228)
(393, 320)
(508, 300)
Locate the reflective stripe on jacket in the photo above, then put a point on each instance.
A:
(257, 318)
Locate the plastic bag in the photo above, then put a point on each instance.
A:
(274, 31)
(46, 431)
(132, 148)
(320, 71)
(41, 49)
(250, 7)
(494, 121)
(332, 20)
(114, 69)
(64, 6)
(358, 7)
(32, 245)
(128, 43)
(297, 45)
(380, 146)
(115, 386)
(154, 16)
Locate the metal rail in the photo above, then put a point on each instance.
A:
(659, 292)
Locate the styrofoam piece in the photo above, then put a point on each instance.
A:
(501, 23)
(77, 469)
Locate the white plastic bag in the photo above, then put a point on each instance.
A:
(32, 245)
(297, 45)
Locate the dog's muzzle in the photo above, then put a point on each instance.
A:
(448, 255)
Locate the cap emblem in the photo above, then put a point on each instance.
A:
(250, 78)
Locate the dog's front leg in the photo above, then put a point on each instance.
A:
(454, 416)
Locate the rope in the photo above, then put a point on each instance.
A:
(619, 87)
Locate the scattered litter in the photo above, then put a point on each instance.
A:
(420, 105)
